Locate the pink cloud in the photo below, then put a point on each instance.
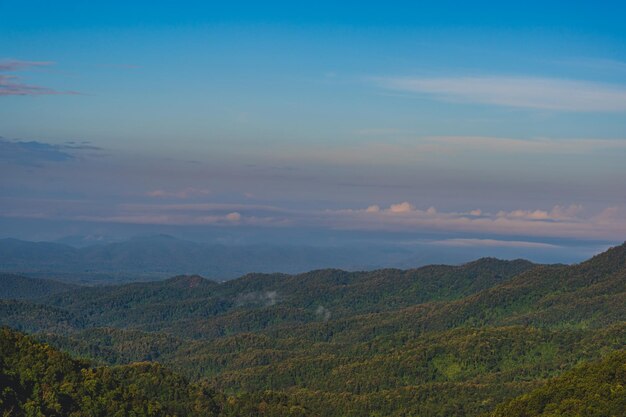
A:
(233, 217)
(559, 221)
(401, 208)
(9, 65)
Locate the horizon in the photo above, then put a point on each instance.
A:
(496, 131)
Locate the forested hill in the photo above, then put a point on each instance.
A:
(39, 380)
(288, 298)
(13, 286)
(596, 389)
(436, 341)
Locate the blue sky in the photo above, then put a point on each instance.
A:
(476, 121)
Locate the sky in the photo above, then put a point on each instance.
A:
(476, 125)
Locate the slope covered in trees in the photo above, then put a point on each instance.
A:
(437, 340)
(595, 389)
(157, 305)
(40, 381)
(13, 286)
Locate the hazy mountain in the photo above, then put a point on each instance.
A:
(154, 257)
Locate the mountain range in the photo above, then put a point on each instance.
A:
(152, 257)
(91, 260)
(481, 338)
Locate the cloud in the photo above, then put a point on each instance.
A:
(265, 298)
(602, 64)
(524, 92)
(412, 149)
(11, 85)
(559, 221)
(9, 65)
(31, 153)
(323, 312)
(185, 193)
(401, 208)
(145, 214)
(34, 153)
(172, 220)
(83, 146)
(557, 213)
(233, 217)
(444, 144)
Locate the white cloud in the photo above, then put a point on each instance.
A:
(323, 312)
(527, 92)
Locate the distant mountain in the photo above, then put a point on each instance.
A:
(80, 241)
(153, 257)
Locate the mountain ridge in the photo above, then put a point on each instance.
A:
(437, 340)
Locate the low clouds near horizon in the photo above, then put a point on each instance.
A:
(571, 222)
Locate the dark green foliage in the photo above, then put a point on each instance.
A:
(17, 287)
(193, 300)
(36, 380)
(592, 390)
(434, 341)
(27, 316)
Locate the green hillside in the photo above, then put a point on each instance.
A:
(18, 287)
(258, 300)
(434, 341)
(595, 389)
(40, 381)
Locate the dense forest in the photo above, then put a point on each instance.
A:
(489, 336)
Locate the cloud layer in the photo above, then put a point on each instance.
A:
(557, 222)
(526, 92)
(35, 153)
(12, 85)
